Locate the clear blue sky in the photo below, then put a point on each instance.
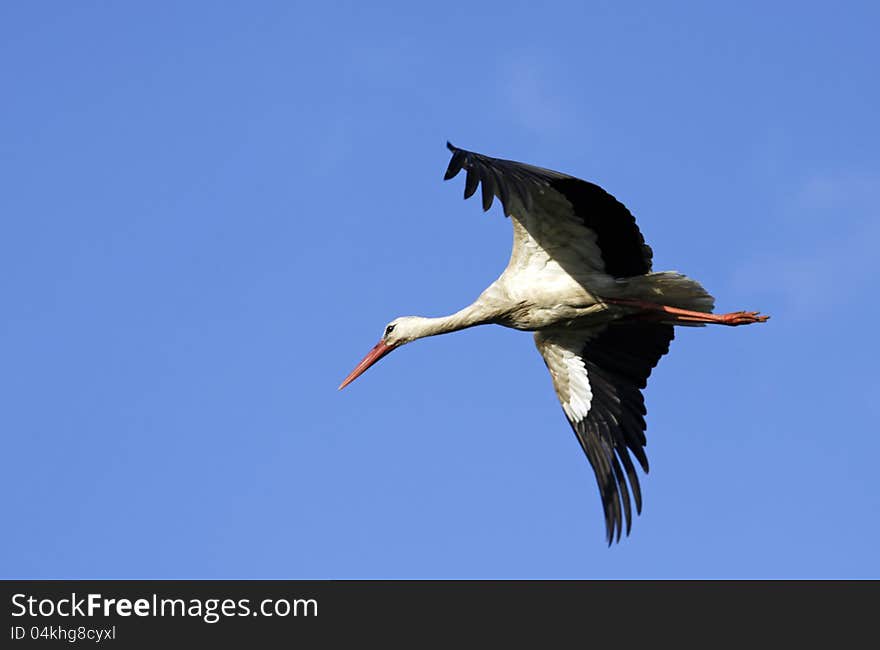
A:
(210, 211)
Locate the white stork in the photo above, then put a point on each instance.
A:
(580, 278)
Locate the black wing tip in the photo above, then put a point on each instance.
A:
(616, 531)
(460, 161)
(500, 179)
(457, 162)
(616, 528)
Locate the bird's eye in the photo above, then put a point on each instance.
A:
(389, 329)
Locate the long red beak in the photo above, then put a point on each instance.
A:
(378, 351)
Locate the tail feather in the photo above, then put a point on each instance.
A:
(671, 289)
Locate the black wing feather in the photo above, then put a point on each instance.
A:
(623, 248)
(618, 363)
(471, 183)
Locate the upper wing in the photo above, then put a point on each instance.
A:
(576, 223)
(598, 374)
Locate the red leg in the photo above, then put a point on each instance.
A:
(686, 316)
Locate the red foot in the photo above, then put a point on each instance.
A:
(742, 318)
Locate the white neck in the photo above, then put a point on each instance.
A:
(474, 314)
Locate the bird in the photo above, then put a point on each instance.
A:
(580, 279)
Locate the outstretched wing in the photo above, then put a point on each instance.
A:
(598, 375)
(576, 223)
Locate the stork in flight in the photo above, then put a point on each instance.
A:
(580, 278)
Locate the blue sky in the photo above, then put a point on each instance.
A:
(210, 211)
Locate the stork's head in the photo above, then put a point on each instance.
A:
(398, 332)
